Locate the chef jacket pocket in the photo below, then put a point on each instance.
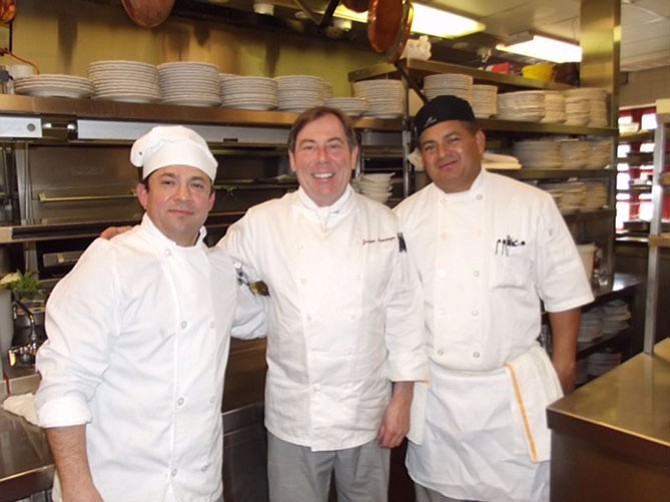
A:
(511, 268)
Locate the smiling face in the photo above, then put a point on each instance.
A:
(452, 154)
(323, 160)
(177, 201)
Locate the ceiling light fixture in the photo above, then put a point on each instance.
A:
(427, 21)
(540, 47)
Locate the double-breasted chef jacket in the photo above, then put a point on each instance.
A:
(486, 258)
(138, 339)
(346, 315)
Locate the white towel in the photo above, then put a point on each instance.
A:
(536, 385)
(23, 405)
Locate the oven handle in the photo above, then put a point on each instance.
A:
(85, 198)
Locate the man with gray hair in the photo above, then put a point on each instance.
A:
(138, 339)
(346, 337)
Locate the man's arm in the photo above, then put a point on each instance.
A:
(564, 333)
(395, 422)
(68, 448)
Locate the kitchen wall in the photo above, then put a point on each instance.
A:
(63, 36)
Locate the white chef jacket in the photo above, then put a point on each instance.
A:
(486, 257)
(138, 339)
(346, 316)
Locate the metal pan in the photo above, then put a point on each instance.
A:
(385, 19)
(389, 26)
(148, 13)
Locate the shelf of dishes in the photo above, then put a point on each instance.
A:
(420, 68)
(516, 104)
(558, 174)
(34, 118)
(637, 137)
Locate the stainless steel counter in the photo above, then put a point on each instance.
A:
(611, 437)
(26, 466)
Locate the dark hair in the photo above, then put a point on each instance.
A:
(145, 182)
(315, 113)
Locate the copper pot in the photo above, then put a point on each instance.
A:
(389, 25)
(7, 10)
(148, 13)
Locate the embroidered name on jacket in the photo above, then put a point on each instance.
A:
(378, 240)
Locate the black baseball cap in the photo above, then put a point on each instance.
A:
(441, 109)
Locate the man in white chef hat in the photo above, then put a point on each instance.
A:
(132, 372)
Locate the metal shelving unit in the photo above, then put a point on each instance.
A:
(601, 222)
(657, 239)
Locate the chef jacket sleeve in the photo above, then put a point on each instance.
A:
(406, 333)
(251, 314)
(239, 244)
(560, 277)
(81, 323)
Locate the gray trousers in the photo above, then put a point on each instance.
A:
(296, 473)
(424, 494)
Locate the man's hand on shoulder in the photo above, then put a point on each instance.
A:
(110, 232)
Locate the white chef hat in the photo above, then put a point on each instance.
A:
(172, 146)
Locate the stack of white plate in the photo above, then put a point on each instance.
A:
(327, 88)
(386, 97)
(596, 195)
(591, 325)
(575, 153)
(600, 153)
(577, 110)
(538, 154)
(526, 106)
(297, 93)
(351, 106)
(224, 76)
(492, 160)
(602, 362)
(484, 100)
(64, 86)
(616, 316)
(377, 186)
(572, 195)
(554, 107)
(129, 81)
(190, 83)
(597, 104)
(448, 84)
(249, 93)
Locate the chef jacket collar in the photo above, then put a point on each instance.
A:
(476, 188)
(335, 207)
(327, 216)
(151, 228)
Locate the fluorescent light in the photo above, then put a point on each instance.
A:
(548, 49)
(443, 24)
(427, 21)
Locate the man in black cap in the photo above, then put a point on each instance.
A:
(489, 250)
